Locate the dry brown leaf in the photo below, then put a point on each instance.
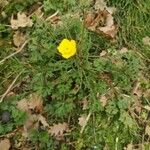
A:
(18, 38)
(147, 107)
(137, 105)
(109, 31)
(43, 121)
(147, 130)
(3, 3)
(57, 130)
(3, 14)
(129, 147)
(31, 123)
(84, 103)
(123, 50)
(21, 21)
(102, 21)
(111, 10)
(103, 100)
(103, 53)
(36, 102)
(5, 144)
(100, 5)
(147, 94)
(23, 105)
(38, 12)
(134, 147)
(82, 120)
(136, 90)
(146, 40)
(89, 20)
(26, 148)
(93, 19)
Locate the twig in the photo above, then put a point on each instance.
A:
(11, 134)
(11, 55)
(9, 88)
(86, 121)
(53, 15)
(35, 12)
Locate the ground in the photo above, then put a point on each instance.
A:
(74, 75)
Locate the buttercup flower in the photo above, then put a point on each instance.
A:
(67, 48)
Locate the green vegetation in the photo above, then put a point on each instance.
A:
(110, 89)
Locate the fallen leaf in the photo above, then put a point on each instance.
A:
(43, 121)
(26, 149)
(36, 103)
(21, 21)
(134, 147)
(101, 21)
(85, 103)
(5, 144)
(100, 5)
(31, 123)
(3, 14)
(146, 40)
(103, 100)
(57, 130)
(89, 20)
(18, 38)
(147, 94)
(109, 31)
(147, 107)
(93, 19)
(137, 104)
(3, 3)
(123, 50)
(23, 105)
(136, 89)
(129, 147)
(82, 120)
(76, 89)
(147, 130)
(103, 53)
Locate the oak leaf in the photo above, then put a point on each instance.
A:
(82, 120)
(146, 40)
(18, 38)
(85, 103)
(34, 102)
(21, 21)
(5, 144)
(103, 100)
(57, 130)
(101, 21)
(43, 121)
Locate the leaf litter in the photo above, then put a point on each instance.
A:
(5, 144)
(34, 109)
(82, 120)
(57, 130)
(101, 20)
(22, 20)
(19, 38)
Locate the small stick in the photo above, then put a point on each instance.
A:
(53, 15)
(9, 88)
(11, 55)
(86, 121)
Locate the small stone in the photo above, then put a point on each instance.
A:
(5, 116)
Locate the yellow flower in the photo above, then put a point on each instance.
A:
(67, 48)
